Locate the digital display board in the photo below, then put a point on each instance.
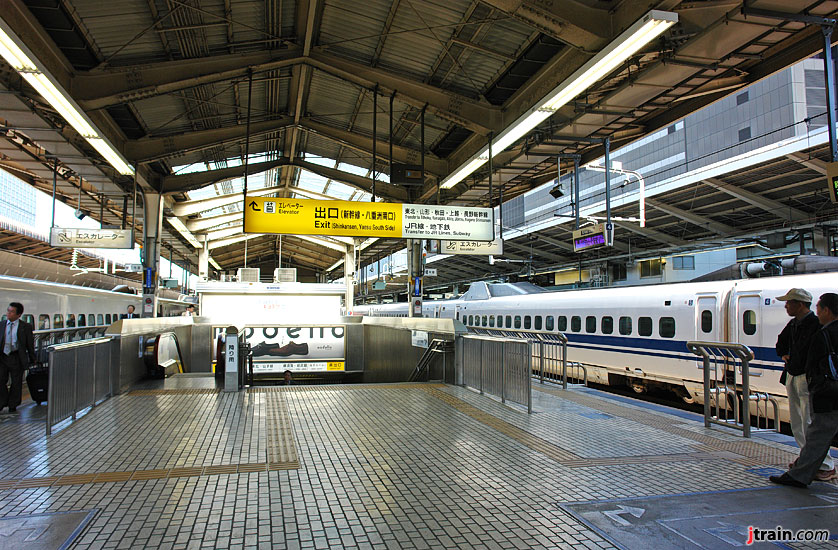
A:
(589, 241)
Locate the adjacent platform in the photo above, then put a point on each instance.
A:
(178, 464)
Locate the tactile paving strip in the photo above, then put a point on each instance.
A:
(562, 456)
(281, 446)
(170, 473)
(181, 391)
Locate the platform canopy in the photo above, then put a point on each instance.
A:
(170, 86)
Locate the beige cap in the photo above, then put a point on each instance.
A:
(796, 294)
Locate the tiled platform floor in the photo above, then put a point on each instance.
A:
(176, 464)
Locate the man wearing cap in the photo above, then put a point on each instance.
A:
(793, 346)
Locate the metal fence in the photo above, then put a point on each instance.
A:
(497, 366)
(80, 376)
(46, 338)
(726, 385)
(549, 361)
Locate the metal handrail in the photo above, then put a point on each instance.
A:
(495, 366)
(727, 354)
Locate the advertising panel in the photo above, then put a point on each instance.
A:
(294, 348)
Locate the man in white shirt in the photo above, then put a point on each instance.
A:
(190, 311)
(17, 351)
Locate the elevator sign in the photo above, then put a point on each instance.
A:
(367, 219)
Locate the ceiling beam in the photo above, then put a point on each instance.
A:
(181, 183)
(776, 208)
(569, 21)
(812, 163)
(110, 86)
(157, 148)
(353, 140)
(461, 110)
(695, 219)
(382, 189)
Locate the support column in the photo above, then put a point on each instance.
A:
(829, 75)
(349, 277)
(152, 229)
(416, 272)
(203, 260)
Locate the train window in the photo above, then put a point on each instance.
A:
(706, 321)
(749, 322)
(538, 322)
(575, 323)
(91, 319)
(509, 321)
(492, 321)
(549, 324)
(666, 327)
(607, 325)
(562, 323)
(625, 326)
(107, 318)
(485, 321)
(82, 320)
(100, 319)
(527, 322)
(590, 323)
(644, 326)
(71, 320)
(517, 321)
(43, 321)
(468, 320)
(27, 318)
(115, 317)
(57, 321)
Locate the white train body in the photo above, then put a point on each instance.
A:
(597, 326)
(53, 306)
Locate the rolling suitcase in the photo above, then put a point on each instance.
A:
(37, 380)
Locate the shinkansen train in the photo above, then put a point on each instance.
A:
(52, 306)
(636, 335)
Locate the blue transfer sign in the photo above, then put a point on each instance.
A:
(148, 276)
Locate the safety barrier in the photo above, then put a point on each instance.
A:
(549, 360)
(497, 366)
(726, 379)
(80, 376)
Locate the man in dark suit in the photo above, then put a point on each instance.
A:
(17, 351)
(823, 395)
(130, 314)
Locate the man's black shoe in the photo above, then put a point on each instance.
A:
(786, 479)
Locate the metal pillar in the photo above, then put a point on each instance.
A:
(152, 229)
(829, 71)
(203, 261)
(576, 190)
(608, 182)
(349, 277)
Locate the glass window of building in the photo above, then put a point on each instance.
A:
(683, 262)
(651, 268)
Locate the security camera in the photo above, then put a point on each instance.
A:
(557, 191)
(79, 214)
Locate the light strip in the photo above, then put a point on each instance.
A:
(215, 264)
(623, 47)
(15, 52)
(185, 233)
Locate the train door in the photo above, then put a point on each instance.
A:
(707, 320)
(747, 325)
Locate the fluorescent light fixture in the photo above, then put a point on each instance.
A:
(185, 233)
(623, 47)
(15, 52)
(232, 240)
(215, 264)
(323, 242)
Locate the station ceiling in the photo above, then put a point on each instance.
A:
(169, 83)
